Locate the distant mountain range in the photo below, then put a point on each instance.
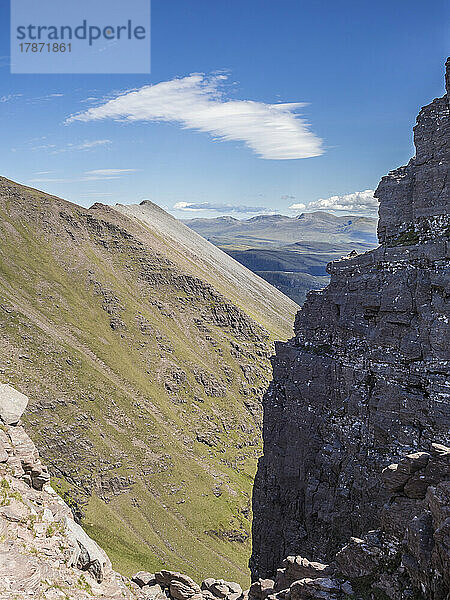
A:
(291, 253)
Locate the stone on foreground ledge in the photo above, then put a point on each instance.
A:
(12, 404)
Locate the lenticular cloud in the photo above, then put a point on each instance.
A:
(272, 131)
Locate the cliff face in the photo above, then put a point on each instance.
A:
(363, 381)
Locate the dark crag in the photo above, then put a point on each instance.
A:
(363, 381)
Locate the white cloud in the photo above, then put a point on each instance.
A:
(45, 147)
(9, 97)
(86, 145)
(96, 195)
(218, 207)
(356, 202)
(46, 98)
(91, 144)
(272, 131)
(108, 173)
(49, 180)
(95, 175)
(298, 206)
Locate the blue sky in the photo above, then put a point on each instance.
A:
(363, 69)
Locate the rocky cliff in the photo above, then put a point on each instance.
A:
(365, 379)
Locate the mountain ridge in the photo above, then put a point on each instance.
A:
(290, 253)
(144, 380)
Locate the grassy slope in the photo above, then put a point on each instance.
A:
(199, 257)
(111, 341)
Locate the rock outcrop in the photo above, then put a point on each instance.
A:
(365, 380)
(12, 404)
(407, 557)
(44, 553)
(176, 586)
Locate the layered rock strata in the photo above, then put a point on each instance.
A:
(365, 379)
(406, 557)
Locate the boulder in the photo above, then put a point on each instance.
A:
(261, 589)
(358, 558)
(399, 476)
(321, 588)
(87, 555)
(222, 589)
(153, 592)
(298, 567)
(183, 591)
(164, 577)
(181, 587)
(12, 404)
(143, 578)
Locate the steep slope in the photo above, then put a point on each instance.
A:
(291, 253)
(44, 554)
(365, 379)
(258, 299)
(144, 380)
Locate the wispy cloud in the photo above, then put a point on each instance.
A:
(272, 131)
(94, 175)
(45, 147)
(107, 173)
(46, 97)
(96, 195)
(357, 202)
(90, 144)
(10, 97)
(221, 208)
(86, 145)
(50, 180)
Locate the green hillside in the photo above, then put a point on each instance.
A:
(144, 381)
